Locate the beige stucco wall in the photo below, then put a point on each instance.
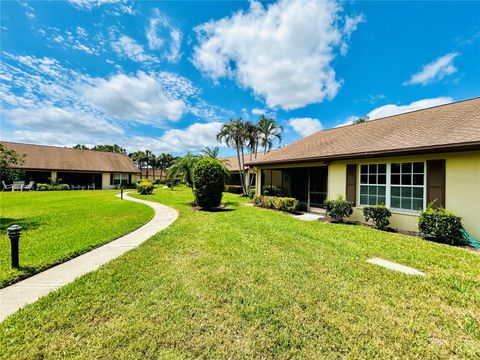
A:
(462, 188)
(106, 181)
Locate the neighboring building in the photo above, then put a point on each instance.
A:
(404, 161)
(45, 164)
(153, 175)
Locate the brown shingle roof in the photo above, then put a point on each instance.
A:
(41, 157)
(232, 161)
(444, 127)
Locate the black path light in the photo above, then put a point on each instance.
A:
(14, 232)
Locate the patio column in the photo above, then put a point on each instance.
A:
(258, 181)
(53, 177)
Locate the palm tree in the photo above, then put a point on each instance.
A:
(268, 129)
(149, 157)
(138, 157)
(164, 161)
(183, 166)
(211, 152)
(235, 134)
(253, 137)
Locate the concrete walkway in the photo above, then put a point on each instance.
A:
(27, 291)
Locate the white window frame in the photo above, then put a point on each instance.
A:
(120, 177)
(389, 185)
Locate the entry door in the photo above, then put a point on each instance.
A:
(318, 186)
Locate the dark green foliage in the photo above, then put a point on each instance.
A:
(252, 191)
(274, 202)
(234, 189)
(208, 182)
(441, 225)
(9, 158)
(379, 214)
(272, 190)
(339, 208)
(145, 187)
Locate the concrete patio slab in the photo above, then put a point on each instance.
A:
(395, 267)
(27, 291)
(309, 216)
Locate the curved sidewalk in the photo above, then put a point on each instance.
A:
(27, 291)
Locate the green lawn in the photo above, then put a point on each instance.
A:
(59, 225)
(254, 283)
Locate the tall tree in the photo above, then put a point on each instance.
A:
(164, 161)
(211, 152)
(81, 147)
(235, 134)
(149, 158)
(8, 159)
(268, 130)
(138, 157)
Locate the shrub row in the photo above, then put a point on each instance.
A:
(144, 187)
(277, 203)
(49, 187)
(234, 189)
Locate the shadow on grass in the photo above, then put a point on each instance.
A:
(26, 224)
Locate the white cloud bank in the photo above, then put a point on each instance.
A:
(434, 71)
(283, 52)
(305, 126)
(139, 97)
(392, 109)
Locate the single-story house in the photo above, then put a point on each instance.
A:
(46, 164)
(153, 175)
(403, 161)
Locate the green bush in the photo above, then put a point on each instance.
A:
(379, 214)
(145, 187)
(208, 182)
(339, 208)
(234, 189)
(252, 191)
(48, 187)
(44, 187)
(274, 202)
(441, 225)
(272, 190)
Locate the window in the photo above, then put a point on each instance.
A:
(397, 185)
(373, 184)
(407, 185)
(120, 179)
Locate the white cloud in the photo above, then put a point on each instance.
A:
(193, 138)
(29, 11)
(305, 126)
(351, 24)
(162, 35)
(138, 97)
(51, 118)
(120, 6)
(434, 71)
(127, 47)
(257, 111)
(283, 52)
(392, 109)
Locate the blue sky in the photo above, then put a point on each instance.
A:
(165, 75)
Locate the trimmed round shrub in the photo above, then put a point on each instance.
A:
(441, 225)
(145, 187)
(208, 183)
(339, 208)
(379, 214)
(251, 192)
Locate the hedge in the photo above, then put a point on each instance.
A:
(441, 225)
(379, 214)
(339, 208)
(274, 202)
(48, 187)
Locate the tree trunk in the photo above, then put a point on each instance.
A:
(240, 170)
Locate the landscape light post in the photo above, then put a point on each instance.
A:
(121, 192)
(14, 232)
